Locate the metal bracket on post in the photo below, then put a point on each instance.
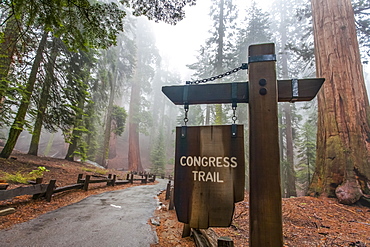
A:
(186, 108)
(262, 58)
(295, 90)
(234, 90)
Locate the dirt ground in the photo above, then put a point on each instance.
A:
(307, 221)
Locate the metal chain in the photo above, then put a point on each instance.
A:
(244, 66)
(186, 108)
(234, 117)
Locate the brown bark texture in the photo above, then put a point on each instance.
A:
(134, 160)
(343, 127)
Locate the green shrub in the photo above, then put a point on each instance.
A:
(39, 172)
(15, 178)
(95, 170)
(23, 178)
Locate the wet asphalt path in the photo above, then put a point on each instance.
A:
(116, 218)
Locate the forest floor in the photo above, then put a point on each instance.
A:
(307, 221)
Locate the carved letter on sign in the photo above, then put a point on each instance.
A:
(209, 175)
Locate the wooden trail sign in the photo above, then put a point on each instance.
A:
(262, 92)
(209, 175)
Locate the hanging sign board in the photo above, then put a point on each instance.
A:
(209, 174)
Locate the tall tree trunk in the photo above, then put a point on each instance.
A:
(289, 172)
(108, 124)
(43, 101)
(220, 57)
(134, 160)
(291, 179)
(343, 141)
(18, 123)
(76, 133)
(7, 49)
(208, 115)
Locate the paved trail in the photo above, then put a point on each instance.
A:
(117, 218)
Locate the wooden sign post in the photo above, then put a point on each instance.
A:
(262, 92)
(265, 213)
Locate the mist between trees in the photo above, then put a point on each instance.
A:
(84, 81)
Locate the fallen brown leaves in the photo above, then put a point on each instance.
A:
(307, 221)
(170, 230)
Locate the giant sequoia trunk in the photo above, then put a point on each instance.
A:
(343, 143)
(134, 160)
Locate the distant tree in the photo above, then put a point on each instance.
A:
(139, 118)
(342, 160)
(77, 94)
(202, 69)
(218, 54)
(306, 147)
(255, 29)
(162, 110)
(283, 14)
(158, 155)
(361, 10)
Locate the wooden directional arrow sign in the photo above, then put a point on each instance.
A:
(219, 93)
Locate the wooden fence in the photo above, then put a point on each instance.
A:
(37, 189)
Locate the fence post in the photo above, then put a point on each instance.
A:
(109, 182)
(132, 178)
(172, 205)
(50, 190)
(168, 190)
(86, 184)
(79, 178)
(114, 180)
(225, 242)
(38, 181)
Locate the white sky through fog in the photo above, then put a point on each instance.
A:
(179, 44)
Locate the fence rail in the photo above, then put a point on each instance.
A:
(37, 189)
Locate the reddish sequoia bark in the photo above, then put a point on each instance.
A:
(134, 160)
(343, 129)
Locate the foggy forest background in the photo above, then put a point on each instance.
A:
(97, 98)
